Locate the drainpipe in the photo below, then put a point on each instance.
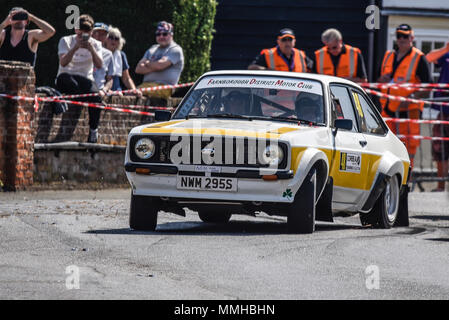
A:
(371, 50)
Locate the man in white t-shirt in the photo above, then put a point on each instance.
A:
(78, 55)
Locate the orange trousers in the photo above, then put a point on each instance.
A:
(407, 129)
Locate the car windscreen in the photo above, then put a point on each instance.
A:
(258, 97)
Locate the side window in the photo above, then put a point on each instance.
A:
(345, 110)
(370, 121)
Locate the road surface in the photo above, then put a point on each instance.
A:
(77, 245)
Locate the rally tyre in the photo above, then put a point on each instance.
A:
(403, 219)
(385, 211)
(214, 217)
(143, 213)
(301, 213)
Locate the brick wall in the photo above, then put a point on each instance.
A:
(17, 126)
(80, 163)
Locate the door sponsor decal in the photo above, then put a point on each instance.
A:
(350, 162)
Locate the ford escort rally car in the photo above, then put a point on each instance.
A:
(304, 146)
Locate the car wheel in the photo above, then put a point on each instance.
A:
(301, 213)
(385, 211)
(143, 213)
(214, 217)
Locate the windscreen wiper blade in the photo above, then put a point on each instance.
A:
(295, 120)
(229, 115)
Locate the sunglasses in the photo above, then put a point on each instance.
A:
(402, 36)
(287, 39)
(114, 38)
(163, 34)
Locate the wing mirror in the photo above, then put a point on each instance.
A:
(162, 115)
(345, 124)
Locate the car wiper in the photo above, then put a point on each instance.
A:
(229, 115)
(279, 118)
(295, 120)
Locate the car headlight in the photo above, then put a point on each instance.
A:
(272, 155)
(144, 148)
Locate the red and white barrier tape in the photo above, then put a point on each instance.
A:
(414, 137)
(84, 104)
(402, 99)
(401, 120)
(114, 93)
(404, 85)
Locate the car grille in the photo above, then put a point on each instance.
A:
(242, 154)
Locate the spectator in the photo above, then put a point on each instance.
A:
(162, 64)
(407, 64)
(103, 76)
(283, 57)
(339, 59)
(18, 43)
(115, 43)
(440, 149)
(78, 54)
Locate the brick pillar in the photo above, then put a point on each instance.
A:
(16, 126)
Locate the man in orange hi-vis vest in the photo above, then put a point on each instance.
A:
(283, 57)
(406, 64)
(339, 59)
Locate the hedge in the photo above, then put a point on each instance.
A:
(193, 21)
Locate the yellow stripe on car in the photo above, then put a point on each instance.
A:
(357, 180)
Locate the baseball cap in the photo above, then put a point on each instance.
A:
(164, 26)
(286, 32)
(101, 26)
(404, 29)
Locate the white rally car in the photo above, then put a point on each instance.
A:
(305, 146)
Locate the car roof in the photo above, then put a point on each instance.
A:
(312, 76)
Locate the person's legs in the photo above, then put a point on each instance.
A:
(68, 84)
(89, 86)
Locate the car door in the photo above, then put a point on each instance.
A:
(374, 130)
(349, 164)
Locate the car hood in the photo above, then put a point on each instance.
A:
(228, 127)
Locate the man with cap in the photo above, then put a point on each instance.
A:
(162, 63)
(18, 43)
(103, 75)
(406, 64)
(283, 57)
(339, 59)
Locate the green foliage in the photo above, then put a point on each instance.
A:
(194, 23)
(192, 19)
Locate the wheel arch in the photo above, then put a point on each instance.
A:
(390, 166)
(311, 158)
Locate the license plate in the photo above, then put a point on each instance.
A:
(207, 183)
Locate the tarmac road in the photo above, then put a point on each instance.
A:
(44, 234)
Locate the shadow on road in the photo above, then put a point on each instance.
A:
(433, 218)
(233, 228)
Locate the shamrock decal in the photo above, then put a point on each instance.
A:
(287, 193)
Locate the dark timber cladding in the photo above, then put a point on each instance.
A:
(245, 27)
